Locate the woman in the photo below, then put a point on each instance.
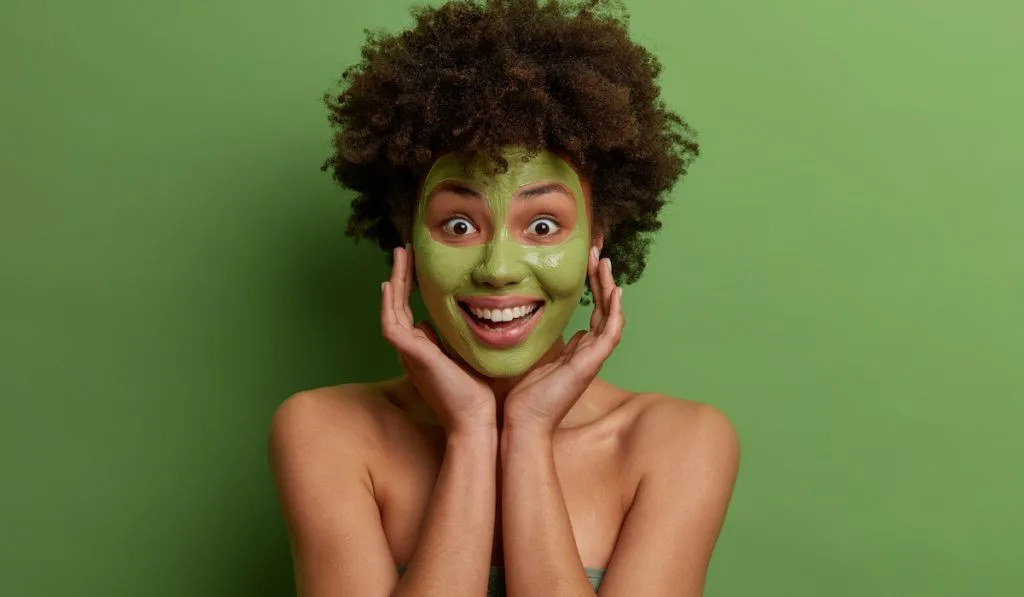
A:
(510, 157)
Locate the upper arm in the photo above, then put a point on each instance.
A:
(318, 457)
(671, 529)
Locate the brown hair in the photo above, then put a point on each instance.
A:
(477, 76)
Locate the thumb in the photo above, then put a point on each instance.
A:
(406, 365)
(431, 334)
(570, 347)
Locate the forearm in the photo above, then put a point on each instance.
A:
(540, 551)
(452, 557)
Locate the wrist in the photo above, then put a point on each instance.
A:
(527, 425)
(526, 436)
(479, 420)
(475, 434)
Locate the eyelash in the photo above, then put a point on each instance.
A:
(451, 222)
(554, 225)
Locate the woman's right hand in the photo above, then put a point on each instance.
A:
(459, 397)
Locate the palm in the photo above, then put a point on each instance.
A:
(451, 390)
(549, 391)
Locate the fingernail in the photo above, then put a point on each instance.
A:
(593, 251)
(382, 287)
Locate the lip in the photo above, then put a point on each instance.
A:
(505, 337)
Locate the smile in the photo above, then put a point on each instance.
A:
(501, 322)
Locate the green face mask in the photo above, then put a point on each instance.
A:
(484, 257)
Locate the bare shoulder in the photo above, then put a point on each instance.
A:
(329, 412)
(676, 432)
(323, 445)
(683, 457)
(325, 424)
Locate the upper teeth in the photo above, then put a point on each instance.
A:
(504, 314)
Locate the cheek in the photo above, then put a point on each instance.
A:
(561, 270)
(443, 269)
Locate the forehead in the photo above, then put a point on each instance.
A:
(523, 169)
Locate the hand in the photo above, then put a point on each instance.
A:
(545, 395)
(460, 398)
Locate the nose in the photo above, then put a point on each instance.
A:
(503, 263)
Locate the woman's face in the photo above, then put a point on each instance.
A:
(501, 260)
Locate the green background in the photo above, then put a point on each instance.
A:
(842, 274)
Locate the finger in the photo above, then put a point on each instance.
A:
(396, 331)
(399, 274)
(572, 344)
(410, 275)
(398, 271)
(612, 331)
(594, 278)
(590, 358)
(388, 319)
(397, 267)
(409, 269)
(607, 290)
(607, 283)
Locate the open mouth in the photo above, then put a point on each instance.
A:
(502, 326)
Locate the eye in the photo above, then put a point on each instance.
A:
(543, 227)
(459, 226)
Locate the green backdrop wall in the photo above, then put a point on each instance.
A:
(842, 274)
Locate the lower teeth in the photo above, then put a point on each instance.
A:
(491, 324)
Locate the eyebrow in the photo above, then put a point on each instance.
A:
(544, 189)
(458, 189)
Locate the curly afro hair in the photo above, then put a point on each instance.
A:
(477, 76)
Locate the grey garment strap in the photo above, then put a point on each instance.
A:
(595, 576)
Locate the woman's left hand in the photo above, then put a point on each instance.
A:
(544, 396)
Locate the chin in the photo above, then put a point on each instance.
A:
(499, 364)
(499, 370)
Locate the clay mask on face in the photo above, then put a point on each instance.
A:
(501, 260)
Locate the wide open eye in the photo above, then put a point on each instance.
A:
(459, 226)
(543, 227)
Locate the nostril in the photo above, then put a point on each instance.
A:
(497, 279)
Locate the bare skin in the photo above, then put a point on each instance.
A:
(413, 472)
